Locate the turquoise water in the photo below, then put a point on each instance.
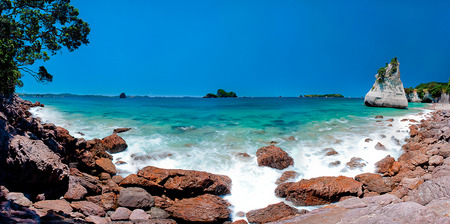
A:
(207, 134)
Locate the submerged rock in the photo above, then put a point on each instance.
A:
(388, 89)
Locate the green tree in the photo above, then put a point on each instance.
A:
(35, 30)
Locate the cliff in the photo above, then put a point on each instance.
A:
(388, 88)
(413, 97)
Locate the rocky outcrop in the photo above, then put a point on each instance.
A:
(388, 89)
(413, 97)
(123, 96)
(319, 191)
(114, 143)
(271, 213)
(274, 157)
(202, 209)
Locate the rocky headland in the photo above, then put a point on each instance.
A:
(49, 176)
(388, 89)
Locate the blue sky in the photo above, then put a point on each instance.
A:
(251, 47)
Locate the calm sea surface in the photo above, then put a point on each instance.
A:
(207, 135)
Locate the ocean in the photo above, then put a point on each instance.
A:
(208, 135)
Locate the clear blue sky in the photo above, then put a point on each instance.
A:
(251, 47)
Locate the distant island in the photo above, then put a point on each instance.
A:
(221, 94)
(324, 95)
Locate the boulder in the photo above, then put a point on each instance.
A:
(96, 219)
(18, 198)
(430, 190)
(88, 208)
(356, 163)
(271, 213)
(134, 197)
(91, 183)
(54, 205)
(201, 209)
(380, 146)
(114, 143)
(120, 130)
(274, 157)
(384, 166)
(121, 213)
(105, 200)
(388, 89)
(139, 214)
(287, 175)
(76, 191)
(27, 161)
(330, 151)
(187, 182)
(157, 213)
(106, 165)
(319, 191)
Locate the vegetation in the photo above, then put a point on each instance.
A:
(221, 94)
(33, 30)
(435, 89)
(382, 71)
(325, 95)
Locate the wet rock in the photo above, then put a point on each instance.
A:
(204, 208)
(19, 198)
(291, 139)
(242, 154)
(329, 151)
(380, 146)
(117, 179)
(121, 213)
(390, 120)
(368, 140)
(121, 130)
(157, 213)
(319, 191)
(187, 182)
(356, 163)
(139, 214)
(106, 165)
(54, 205)
(287, 175)
(134, 197)
(114, 143)
(271, 213)
(379, 117)
(335, 163)
(274, 157)
(88, 208)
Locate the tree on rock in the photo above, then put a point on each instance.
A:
(33, 30)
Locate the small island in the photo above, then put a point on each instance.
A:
(221, 94)
(333, 95)
(122, 95)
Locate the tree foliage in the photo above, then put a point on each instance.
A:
(35, 30)
(435, 89)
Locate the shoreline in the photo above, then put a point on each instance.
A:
(135, 180)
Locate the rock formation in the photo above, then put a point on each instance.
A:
(388, 89)
(413, 97)
(122, 95)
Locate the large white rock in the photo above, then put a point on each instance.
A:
(388, 89)
(414, 97)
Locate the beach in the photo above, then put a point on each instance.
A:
(226, 145)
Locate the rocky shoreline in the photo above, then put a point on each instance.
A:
(49, 176)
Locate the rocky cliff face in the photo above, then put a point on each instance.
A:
(388, 88)
(414, 97)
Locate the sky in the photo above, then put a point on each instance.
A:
(251, 47)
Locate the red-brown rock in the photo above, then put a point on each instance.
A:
(88, 208)
(114, 143)
(287, 175)
(204, 208)
(319, 191)
(274, 157)
(384, 166)
(106, 165)
(54, 205)
(187, 182)
(133, 180)
(271, 213)
(76, 191)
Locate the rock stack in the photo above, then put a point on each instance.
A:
(388, 89)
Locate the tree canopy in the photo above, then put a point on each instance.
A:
(35, 30)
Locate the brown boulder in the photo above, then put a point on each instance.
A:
(88, 208)
(91, 183)
(384, 166)
(380, 146)
(133, 180)
(319, 191)
(63, 136)
(201, 209)
(330, 151)
(274, 157)
(114, 143)
(287, 175)
(356, 163)
(54, 205)
(76, 191)
(120, 130)
(271, 213)
(134, 197)
(106, 165)
(187, 182)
